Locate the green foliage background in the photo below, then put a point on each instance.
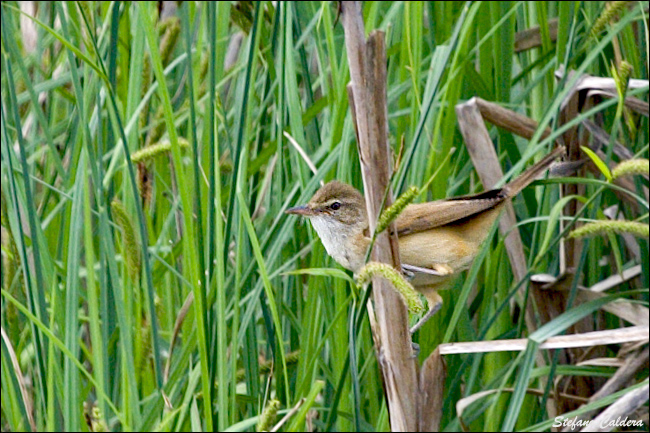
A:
(102, 246)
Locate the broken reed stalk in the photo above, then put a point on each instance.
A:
(471, 121)
(408, 408)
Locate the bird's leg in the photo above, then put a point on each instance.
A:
(435, 303)
(437, 269)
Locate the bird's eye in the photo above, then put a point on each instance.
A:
(335, 206)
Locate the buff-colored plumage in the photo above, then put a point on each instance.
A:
(437, 240)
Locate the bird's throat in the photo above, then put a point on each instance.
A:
(344, 243)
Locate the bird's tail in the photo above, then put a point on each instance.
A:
(523, 180)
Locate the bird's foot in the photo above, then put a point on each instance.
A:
(416, 350)
(442, 269)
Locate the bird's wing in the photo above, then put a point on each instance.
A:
(425, 216)
(419, 217)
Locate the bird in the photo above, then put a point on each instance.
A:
(437, 240)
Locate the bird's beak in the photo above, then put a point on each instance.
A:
(301, 210)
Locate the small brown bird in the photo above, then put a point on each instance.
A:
(437, 240)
